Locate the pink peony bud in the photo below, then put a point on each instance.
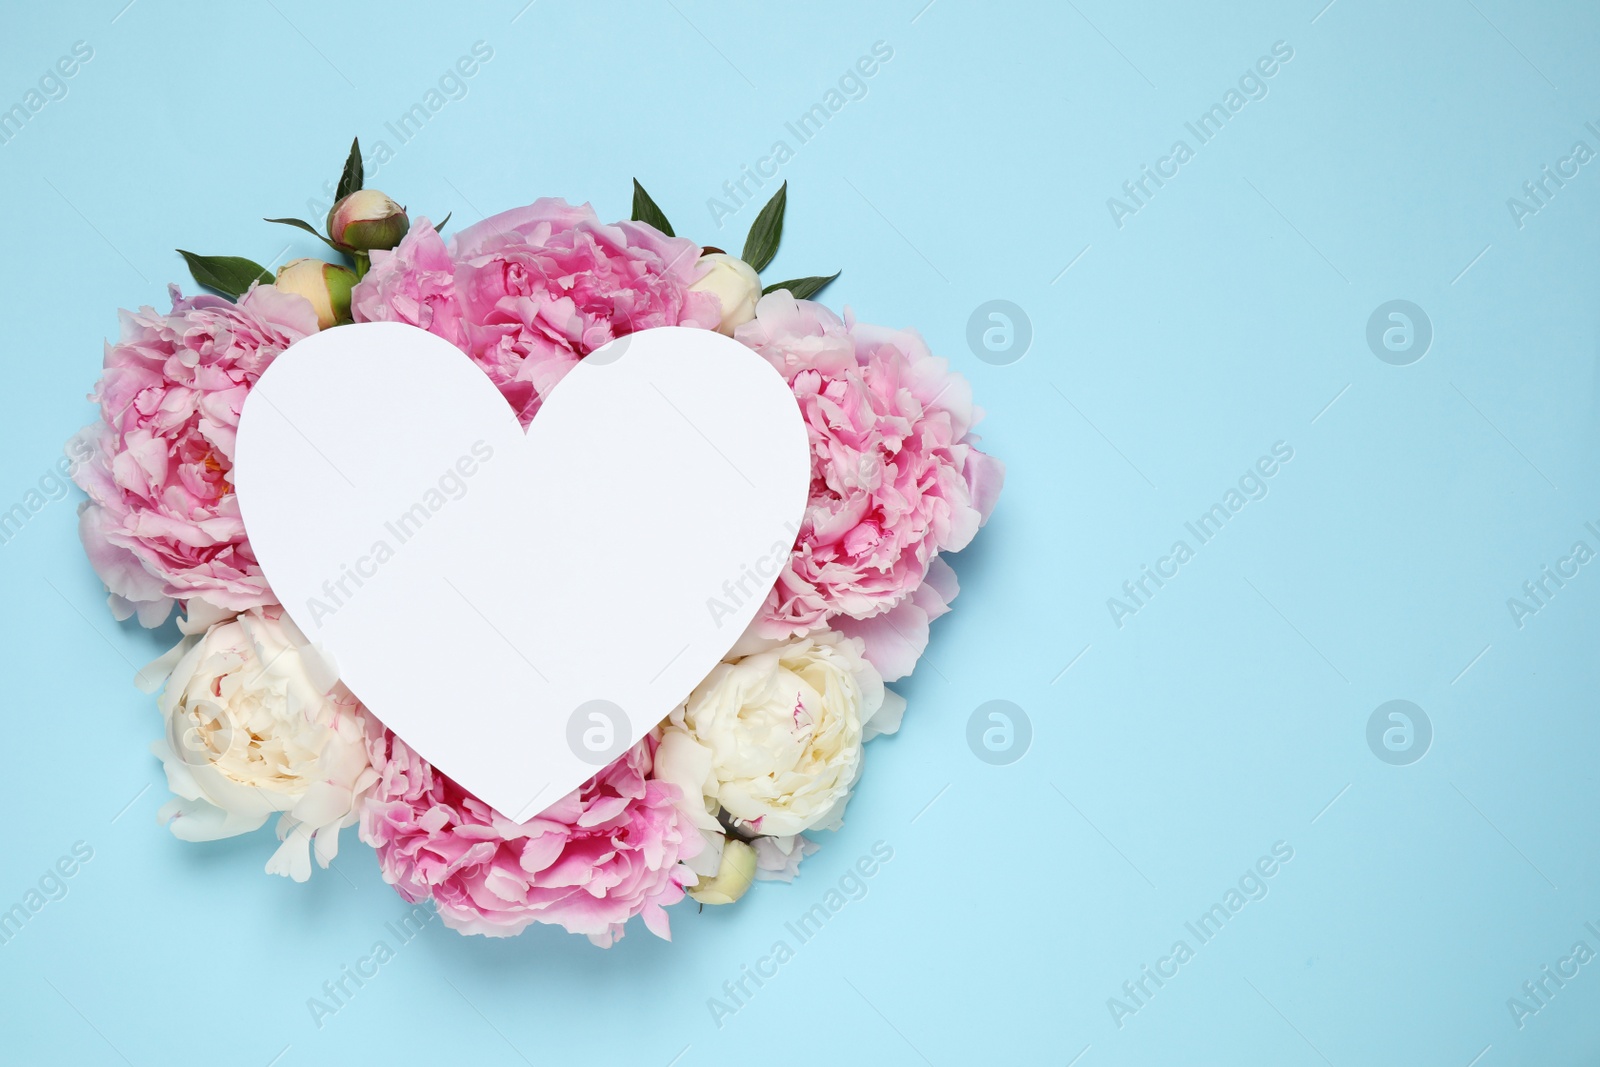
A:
(366, 220)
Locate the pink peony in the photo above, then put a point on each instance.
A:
(529, 292)
(896, 478)
(162, 523)
(414, 284)
(604, 853)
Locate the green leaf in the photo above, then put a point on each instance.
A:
(802, 288)
(351, 179)
(228, 275)
(762, 242)
(646, 211)
(301, 224)
(440, 227)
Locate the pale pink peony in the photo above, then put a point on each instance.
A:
(162, 523)
(529, 292)
(414, 284)
(896, 478)
(606, 852)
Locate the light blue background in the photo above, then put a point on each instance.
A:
(1228, 715)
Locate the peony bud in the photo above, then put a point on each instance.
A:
(366, 220)
(738, 870)
(327, 287)
(735, 283)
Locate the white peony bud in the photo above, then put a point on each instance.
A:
(734, 876)
(735, 283)
(327, 287)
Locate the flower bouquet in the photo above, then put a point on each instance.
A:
(727, 788)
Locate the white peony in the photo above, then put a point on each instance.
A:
(735, 283)
(772, 740)
(778, 858)
(257, 724)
